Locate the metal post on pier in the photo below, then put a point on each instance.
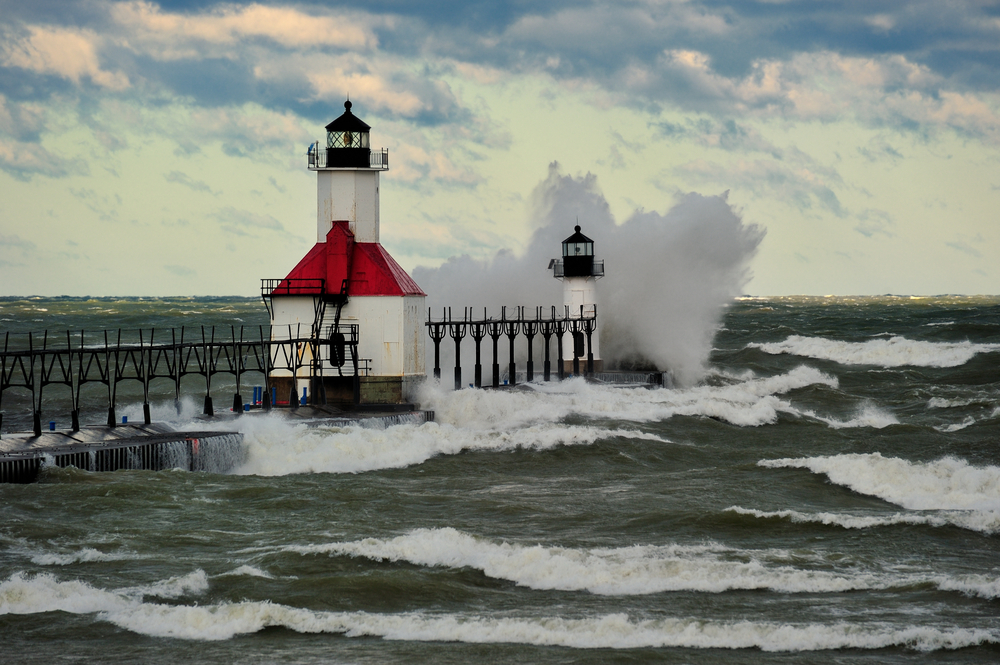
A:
(511, 328)
(574, 326)
(478, 332)
(207, 369)
(36, 399)
(437, 333)
(145, 360)
(495, 329)
(177, 368)
(237, 361)
(547, 328)
(265, 351)
(457, 331)
(560, 331)
(589, 325)
(74, 385)
(530, 329)
(293, 395)
(109, 375)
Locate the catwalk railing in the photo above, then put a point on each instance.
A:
(581, 327)
(35, 361)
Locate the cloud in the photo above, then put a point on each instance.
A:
(67, 53)
(15, 242)
(743, 61)
(875, 222)
(964, 245)
(173, 36)
(180, 271)
(238, 221)
(187, 181)
(804, 184)
(24, 160)
(727, 134)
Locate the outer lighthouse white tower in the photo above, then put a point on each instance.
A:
(579, 272)
(348, 292)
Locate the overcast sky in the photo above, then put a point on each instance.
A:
(160, 148)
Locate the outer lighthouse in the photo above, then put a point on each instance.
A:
(579, 272)
(365, 313)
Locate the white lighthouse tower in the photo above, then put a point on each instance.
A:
(347, 178)
(579, 272)
(347, 291)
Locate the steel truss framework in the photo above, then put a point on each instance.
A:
(34, 361)
(581, 325)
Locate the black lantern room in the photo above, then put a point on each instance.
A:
(578, 257)
(347, 141)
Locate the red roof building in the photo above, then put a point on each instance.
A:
(368, 268)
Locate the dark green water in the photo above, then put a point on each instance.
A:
(829, 493)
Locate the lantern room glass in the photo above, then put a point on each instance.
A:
(578, 249)
(347, 140)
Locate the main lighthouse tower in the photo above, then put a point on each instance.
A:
(348, 294)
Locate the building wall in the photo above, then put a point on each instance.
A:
(292, 316)
(391, 330)
(415, 335)
(348, 194)
(297, 311)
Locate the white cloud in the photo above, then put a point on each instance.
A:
(65, 52)
(170, 35)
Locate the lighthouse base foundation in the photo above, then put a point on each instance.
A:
(568, 366)
(347, 392)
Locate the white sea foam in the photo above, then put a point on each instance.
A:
(668, 282)
(892, 352)
(195, 582)
(84, 555)
(974, 520)
(636, 570)
(277, 447)
(23, 594)
(947, 484)
(868, 416)
(248, 571)
(748, 402)
(486, 420)
(955, 427)
(945, 403)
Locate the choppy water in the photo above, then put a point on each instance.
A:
(830, 493)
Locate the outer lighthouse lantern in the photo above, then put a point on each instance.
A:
(578, 255)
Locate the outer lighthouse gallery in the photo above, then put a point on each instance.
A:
(348, 291)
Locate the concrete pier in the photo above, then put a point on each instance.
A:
(158, 446)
